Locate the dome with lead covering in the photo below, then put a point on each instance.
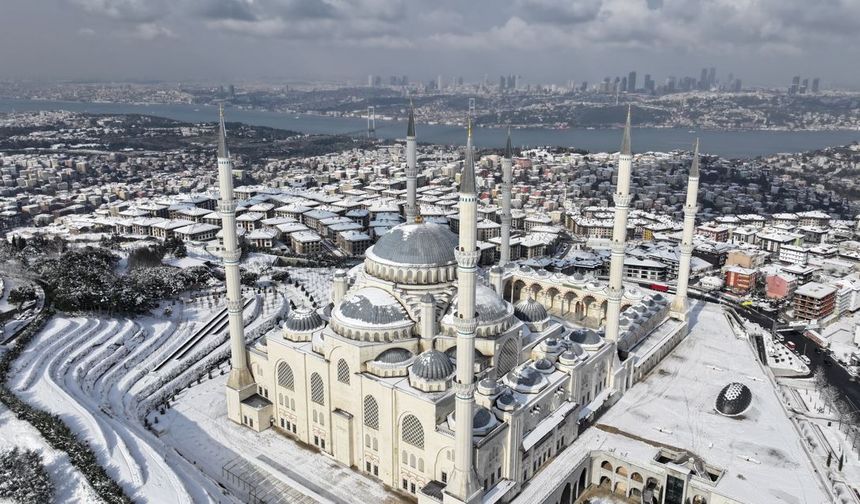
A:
(418, 243)
(733, 400)
(483, 421)
(588, 337)
(372, 306)
(371, 314)
(530, 310)
(507, 401)
(304, 320)
(433, 365)
(394, 356)
(494, 313)
(544, 365)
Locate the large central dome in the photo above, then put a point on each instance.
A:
(420, 244)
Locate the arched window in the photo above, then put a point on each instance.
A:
(412, 432)
(342, 371)
(371, 412)
(507, 359)
(317, 389)
(285, 376)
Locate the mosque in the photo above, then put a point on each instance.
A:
(440, 384)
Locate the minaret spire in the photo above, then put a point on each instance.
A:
(619, 235)
(463, 487)
(679, 306)
(240, 383)
(412, 210)
(507, 168)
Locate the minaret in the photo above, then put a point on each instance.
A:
(507, 167)
(411, 170)
(240, 383)
(463, 487)
(679, 304)
(619, 235)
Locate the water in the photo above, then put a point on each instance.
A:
(730, 144)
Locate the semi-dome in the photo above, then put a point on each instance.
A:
(489, 305)
(423, 243)
(733, 400)
(494, 313)
(433, 365)
(372, 306)
(303, 320)
(394, 356)
(530, 310)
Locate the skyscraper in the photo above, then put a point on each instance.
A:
(631, 82)
(815, 83)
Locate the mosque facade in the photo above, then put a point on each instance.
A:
(434, 381)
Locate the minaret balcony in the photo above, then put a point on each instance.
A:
(234, 306)
(466, 326)
(621, 200)
(467, 259)
(686, 248)
(613, 294)
(231, 257)
(227, 206)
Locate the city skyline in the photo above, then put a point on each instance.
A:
(542, 40)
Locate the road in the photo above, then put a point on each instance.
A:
(836, 375)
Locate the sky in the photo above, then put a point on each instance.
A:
(764, 42)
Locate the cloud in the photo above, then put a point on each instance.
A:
(134, 11)
(86, 32)
(708, 26)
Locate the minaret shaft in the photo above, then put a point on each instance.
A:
(679, 306)
(619, 237)
(240, 377)
(463, 485)
(507, 175)
(411, 171)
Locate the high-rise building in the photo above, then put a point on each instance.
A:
(712, 77)
(703, 79)
(795, 85)
(804, 86)
(631, 82)
(815, 83)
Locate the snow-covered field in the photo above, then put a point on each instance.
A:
(99, 374)
(69, 484)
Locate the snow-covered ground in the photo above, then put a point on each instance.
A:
(99, 374)
(197, 427)
(69, 484)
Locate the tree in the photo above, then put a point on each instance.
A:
(23, 477)
(22, 294)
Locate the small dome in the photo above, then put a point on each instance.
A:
(303, 320)
(507, 401)
(394, 356)
(529, 310)
(433, 365)
(417, 243)
(488, 387)
(526, 376)
(585, 337)
(483, 421)
(568, 358)
(544, 366)
(734, 399)
(428, 298)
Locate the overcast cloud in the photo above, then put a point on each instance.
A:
(762, 41)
